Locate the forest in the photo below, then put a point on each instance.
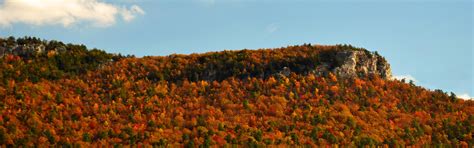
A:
(66, 95)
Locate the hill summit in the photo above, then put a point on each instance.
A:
(58, 94)
(342, 60)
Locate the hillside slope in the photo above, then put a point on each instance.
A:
(67, 95)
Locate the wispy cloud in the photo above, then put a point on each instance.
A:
(129, 15)
(272, 28)
(208, 2)
(64, 12)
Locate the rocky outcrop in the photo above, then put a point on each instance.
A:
(25, 47)
(345, 63)
(348, 63)
(355, 63)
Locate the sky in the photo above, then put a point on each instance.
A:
(428, 41)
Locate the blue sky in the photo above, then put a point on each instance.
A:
(428, 40)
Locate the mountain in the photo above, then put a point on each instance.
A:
(60, 94)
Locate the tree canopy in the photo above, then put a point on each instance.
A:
(88, 97)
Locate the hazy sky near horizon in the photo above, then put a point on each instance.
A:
(430, 41)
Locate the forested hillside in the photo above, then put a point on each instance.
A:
(60, 94)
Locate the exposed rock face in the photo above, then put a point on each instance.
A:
(345, 63)
(349, 63)
(361, 63)
(29, 46)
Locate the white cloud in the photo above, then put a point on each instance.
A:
(406, 77)
(64, 12)
(129, 15)
(465, 96)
